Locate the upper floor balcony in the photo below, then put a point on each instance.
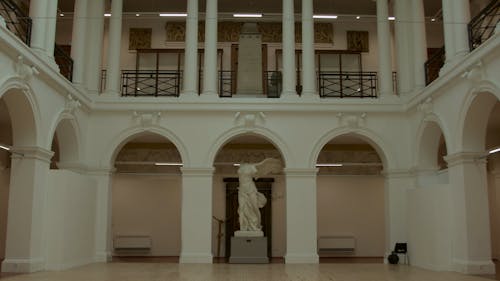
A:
(168, 59)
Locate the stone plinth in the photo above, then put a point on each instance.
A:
(248, 250)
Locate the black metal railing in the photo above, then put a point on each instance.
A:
(16, 20)
(64, 61)
(482, 26)
(226, 78)
(347, 84)
(274, 83)
(433, 65)
(152, 83)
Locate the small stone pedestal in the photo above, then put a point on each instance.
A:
(248, 250)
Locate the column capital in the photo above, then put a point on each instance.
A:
(300, 172)
(197, 171)
(31, 152)
(461, 158)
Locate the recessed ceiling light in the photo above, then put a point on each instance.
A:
(173, 15)
(137, 15)
(391, 18)
(5, 147)
(107, 15)
(61, 14)
(325, 16)
(247, 15)
(433, 19)
(358, 17)
(494, 150)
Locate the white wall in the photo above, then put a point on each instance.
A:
(429, 244)
(4, 204)
(70, 219)
(149, 205)
(353, 205)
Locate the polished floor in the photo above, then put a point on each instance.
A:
(126, 271)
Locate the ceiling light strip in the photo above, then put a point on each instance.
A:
(247, 15)
(325, 16)
(173, 15)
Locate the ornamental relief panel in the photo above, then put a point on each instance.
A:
(230, 32)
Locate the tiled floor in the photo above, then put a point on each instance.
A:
(120, 271)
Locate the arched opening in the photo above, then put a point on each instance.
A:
(350, 201)
(247, 148)
(493, 170)
(431, 150)
(480, 135)
(146, 199)
(65, 145)
(17, 129)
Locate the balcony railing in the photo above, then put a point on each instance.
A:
(152, 83)
(64, 61)
(347, 84)
(16, 20)
(226, 78)
(274, 82)
(482, 26)
(433, 66)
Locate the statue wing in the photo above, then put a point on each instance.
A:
(267, 166)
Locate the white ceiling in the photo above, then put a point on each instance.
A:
(351, 7)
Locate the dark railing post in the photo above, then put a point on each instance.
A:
(64, 61)
(433, 65)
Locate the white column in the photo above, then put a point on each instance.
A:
(288, 34)
(103, 235)
(449, 44)
(471, 243)
(196, 217)
(210, 65)
(308, 68)
(461, 12)
(113, 74)
(94, 45)
(397, 184)
(25, 247)
(78, 41)
(456, 16)
(403, 47)
(51, 29)
(384, 50)
(38, 14)
(420, 42)
(301, 216)
(44, 16)
(190, 75)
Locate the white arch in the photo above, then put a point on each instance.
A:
(238, 131)
(485, 94)
(428, 138)
(69, 136)
(365, 134)
(124, 136)
(25, 131)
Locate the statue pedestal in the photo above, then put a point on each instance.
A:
(248, 250)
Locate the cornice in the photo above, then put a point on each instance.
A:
(466, 158)
(31, 152)
(301, 172)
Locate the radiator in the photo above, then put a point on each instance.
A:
(336, 244)
(132, 242)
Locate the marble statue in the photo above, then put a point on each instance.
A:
(249, 199)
